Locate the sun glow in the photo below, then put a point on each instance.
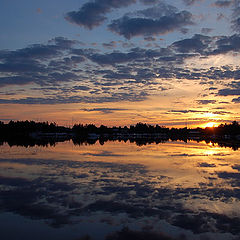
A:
(209, 114)
(210, 124)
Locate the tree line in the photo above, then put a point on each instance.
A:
(26, 127)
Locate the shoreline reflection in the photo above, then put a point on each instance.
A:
(50, 142)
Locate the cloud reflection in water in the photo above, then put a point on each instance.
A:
(174, 186)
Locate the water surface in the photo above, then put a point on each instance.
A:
(182, 190)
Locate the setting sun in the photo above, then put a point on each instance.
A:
(210, 124)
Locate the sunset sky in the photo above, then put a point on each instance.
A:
(119, 62)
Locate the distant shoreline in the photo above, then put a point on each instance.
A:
(28, 133)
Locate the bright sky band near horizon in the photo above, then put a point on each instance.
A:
(174, 63)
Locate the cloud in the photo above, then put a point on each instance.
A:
(103, 110)
(90, 76)
(228, 92)
(236, 100)
(81, 88)
(235, 177)
(227, 44)
(235, 16)
(206, 45)
(198, 43)
(32, 59)
(20, 67)
(237, 167)
(220, 16)
(113, 97)
(236, 24)
(110, 45)
(104, 154)
(204, 164)
(113, 58)
(39, 63)
(187, 111)
(206, 30)
(150, 39)
(222, 3)
(38, 51)
(92, 13)
(205, 102)
(62, 76)
(156, 12)
(191, 2)
(197, 111)
(149, 2)
(131, 27)
(63, 43)
(16, 80)
(233, 89)
(134, 54)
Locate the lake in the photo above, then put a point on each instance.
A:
(119, 190)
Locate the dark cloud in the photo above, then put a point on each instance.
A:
(103, 154)
(131, 27)
(104, 110)
(38, 51)
(228, 92)
(206, 45)
(134, 54)
(112, 97)
(110, 45)
(220, 16)
(222, 3)
(187, 111)
(205, 102)
(207, 165)
(21, 67)
(66, 63)
(232, 177)
(149, 2)
(156, 12)
(150, 39)
(126, 233)
(180, 111)
(81, 88)
(16, 80)
(14, 181)
(221, 112)
(236, 24)
(63, 43)
(184, 30)
(32, 59)
(233, 88)
(227, 44)
(191, 2)
(235, 16)
(42, 64)
(131, 78)
(206, 30)
(237, 167)
(197, 43)
(92, 13)
(236, 100)
(113, 58)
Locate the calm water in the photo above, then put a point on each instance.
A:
(182, 190)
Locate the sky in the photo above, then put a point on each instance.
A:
(175, 63)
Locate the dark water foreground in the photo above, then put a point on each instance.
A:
(119, 190)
